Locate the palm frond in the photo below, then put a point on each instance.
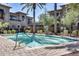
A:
(23, 7)
(28, 10)
(42, 4)
(26, 5)
(39, 6)
(22, 3)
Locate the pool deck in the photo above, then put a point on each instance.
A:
(6, 49)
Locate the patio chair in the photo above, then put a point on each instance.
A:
(73, 47)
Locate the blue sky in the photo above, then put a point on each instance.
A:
(17, 7)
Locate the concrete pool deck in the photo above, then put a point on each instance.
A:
(6, 49)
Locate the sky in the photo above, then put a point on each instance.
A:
(49, 6)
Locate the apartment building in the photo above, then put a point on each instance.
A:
(19, 19)
(4, 13)
(61, 13)
(15, 19)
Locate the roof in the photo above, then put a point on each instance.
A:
(64, 5)
(59, 9)
(15, 13)
(19, 12)
(30, 17)
(53, 10)
(5, 5)
(11, 13)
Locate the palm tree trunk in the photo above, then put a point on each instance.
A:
(55, 24)
(16, 41)
(34, 7)
(70, 30)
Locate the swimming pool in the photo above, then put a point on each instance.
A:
(40, 39)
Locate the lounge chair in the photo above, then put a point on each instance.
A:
(73, 47)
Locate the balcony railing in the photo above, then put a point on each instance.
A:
(15, 20)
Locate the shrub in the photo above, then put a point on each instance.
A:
(65, 32)
(28, 31)
(5, 31)
(78, 32)
(13, 31)
(41, 31)
(61, 32)
(38, 31)
(9, 31)
(74, 32)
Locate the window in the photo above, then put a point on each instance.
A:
(12, 17)
(23, 18)
(78, 26)
(29, 21)
(57, 14)
(1, 14)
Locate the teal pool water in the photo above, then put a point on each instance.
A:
(39, 40)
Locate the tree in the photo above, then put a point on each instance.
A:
(75, 7)
(69, 18)
(46, 20)
(32, 7)
(71, 15)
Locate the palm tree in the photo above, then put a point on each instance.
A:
(32, 7)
